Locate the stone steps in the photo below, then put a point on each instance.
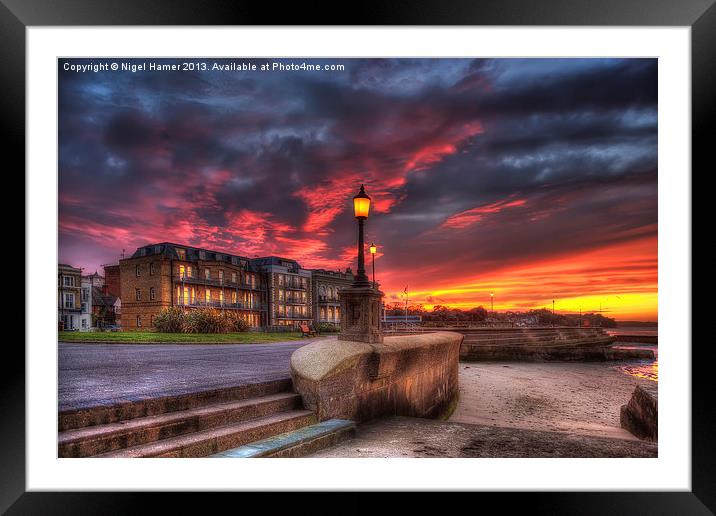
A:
(216, 440)
(98, 439)
(126, 409)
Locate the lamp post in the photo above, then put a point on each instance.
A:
(361, 207)
(373, 250)
(361, 302)
(492, 303)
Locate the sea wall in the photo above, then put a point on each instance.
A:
(641, 415)
(565, 344)
(409, 375)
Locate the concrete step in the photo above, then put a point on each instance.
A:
(122, 410)
(297, 443)
(93, 440)
(216, 440)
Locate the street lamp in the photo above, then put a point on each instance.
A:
(492, 303)
(373, 250)
(361, 207)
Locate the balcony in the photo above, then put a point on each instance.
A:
(293, 286)
(294, 301)
(294, 317)
(328, 300)
(224, 305)
(215, 282)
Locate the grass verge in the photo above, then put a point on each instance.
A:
(148, 337)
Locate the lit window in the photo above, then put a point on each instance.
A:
(233, 277)
(182, 271)
(186, 296)
(207, 295)
(189, 271)
(221, 296)
(207, 273)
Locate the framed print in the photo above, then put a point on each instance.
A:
(417, 249)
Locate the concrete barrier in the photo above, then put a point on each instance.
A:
(409, 375)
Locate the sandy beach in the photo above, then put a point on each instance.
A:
(577, 398)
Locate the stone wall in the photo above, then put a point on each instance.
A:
(641, 415)
(411, 375)
(543, 344)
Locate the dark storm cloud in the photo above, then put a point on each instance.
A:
(472, 163)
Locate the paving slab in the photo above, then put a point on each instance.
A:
(102, 374)
(414, 437)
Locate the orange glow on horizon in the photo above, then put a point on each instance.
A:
(621, 280)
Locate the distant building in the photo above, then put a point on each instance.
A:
(86, 304)
(96, 279)
(326, 284)
(69, 297)
(163, 275)
(289, 291)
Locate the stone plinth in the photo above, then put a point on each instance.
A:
(360, 315)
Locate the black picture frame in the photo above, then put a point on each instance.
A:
(700, 15)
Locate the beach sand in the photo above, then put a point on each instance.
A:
(577, 398)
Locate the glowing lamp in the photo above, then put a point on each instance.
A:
(373, 249)
(361, 204)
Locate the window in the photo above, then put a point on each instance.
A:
(202, 255)
(189, 271)
(207, 273)
(69, 281)
(182, 271)
(181, 253)
(85, 294)
(280, 279)
(207, 295)
(69, 300)
(221, 275)
(139, 321)
(187, 299)
(137, 270)
(221, 296)
(152, 268)
(84, 322)
(157, 249)
(138, 294)
(151, 294)
(281, 295)
(233, 277)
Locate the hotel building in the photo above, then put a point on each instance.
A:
(164, 275)
(289, 288)
(326, 284)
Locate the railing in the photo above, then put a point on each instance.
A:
(327, 299)
(294, 286)
(224, 304)
(303, 317)
(216, 282)
(294, 301)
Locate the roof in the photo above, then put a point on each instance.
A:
(168, 250)
(99, 299)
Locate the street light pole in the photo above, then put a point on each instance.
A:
(361, 205)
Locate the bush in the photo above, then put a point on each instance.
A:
(327, 327)
(206, 320)
(235, 322)
(170, 320)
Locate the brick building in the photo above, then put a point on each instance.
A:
(326, 305)
(289, 289)
(163, 275)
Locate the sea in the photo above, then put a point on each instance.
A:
(648, 369)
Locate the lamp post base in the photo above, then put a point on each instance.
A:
(360, 314)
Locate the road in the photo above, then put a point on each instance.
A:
(98, 374)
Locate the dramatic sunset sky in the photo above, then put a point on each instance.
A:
(535, 179)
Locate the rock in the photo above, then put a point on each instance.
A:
(640, 415)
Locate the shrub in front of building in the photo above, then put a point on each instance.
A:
(170, 320)
(206, 320)
(327, 327)
(234, 322)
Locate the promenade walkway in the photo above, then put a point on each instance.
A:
(101, 374)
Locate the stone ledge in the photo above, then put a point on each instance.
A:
(409, 375)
